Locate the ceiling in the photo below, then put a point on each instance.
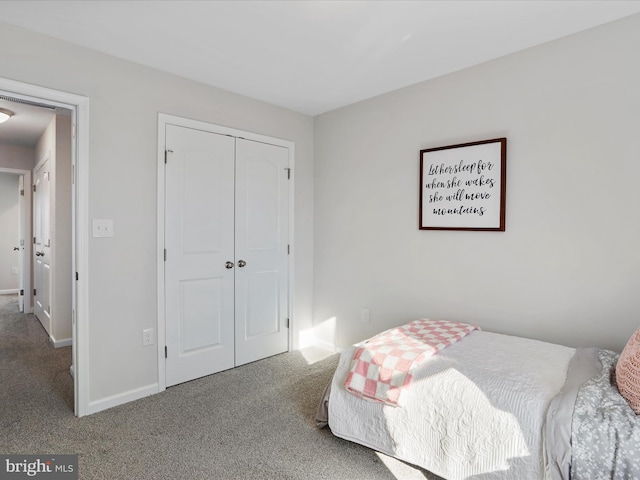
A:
(310, 56)
(26, 125)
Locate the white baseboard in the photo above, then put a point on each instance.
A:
(324, 345)
(312, 338)
(312, 341)
(122, 398)
(9, 292)
(65, 342)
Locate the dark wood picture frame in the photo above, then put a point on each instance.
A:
(463, 187)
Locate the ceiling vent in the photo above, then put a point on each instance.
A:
(29, 102)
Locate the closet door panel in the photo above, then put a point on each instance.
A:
(262, 194)
(199, 239)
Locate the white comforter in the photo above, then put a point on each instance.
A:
(475, 410)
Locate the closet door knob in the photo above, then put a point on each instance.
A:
(228, 265)
(241, 263)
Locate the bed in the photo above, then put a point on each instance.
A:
(493, 406)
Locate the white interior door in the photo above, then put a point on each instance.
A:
(261, 241)
(42, 246)
(22, 235)
(199, 281)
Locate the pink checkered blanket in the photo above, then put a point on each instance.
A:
(381, 369)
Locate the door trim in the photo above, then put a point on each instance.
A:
(79, 106)
(25, 220)
(165, 119)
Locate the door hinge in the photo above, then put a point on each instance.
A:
(167, 152)
(34, 292)
(22, 292)
(34, 188)
(287, 323)
(288, 173)
(34, 240)
(165, 351)
(165, 254)
(22, 192)
(76, 276)
(288, 249)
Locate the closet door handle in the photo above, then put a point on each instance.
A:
(241, 263)
(228, 265)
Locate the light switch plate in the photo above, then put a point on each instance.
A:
(103, 228)
(147, 337)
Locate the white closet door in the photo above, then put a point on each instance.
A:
(199, 224)
(262, 228)
(42, 246)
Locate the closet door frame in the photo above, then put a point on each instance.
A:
(167, 119)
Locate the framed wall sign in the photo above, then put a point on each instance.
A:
(462, 187)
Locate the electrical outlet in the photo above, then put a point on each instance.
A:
(147, 337)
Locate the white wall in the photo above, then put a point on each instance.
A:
(125, 100)
(9, 230)
(16, 157)
(566, 269)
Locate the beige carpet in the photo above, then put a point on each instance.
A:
(252, 422)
